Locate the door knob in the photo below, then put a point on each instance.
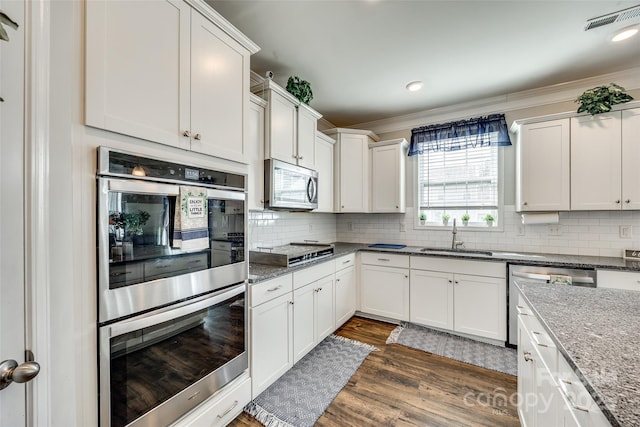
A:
(186, 133)
(10, 372)
(197, 137)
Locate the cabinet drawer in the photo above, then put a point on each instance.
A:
(169, 266)
(124, 274)
(628, 280)
(384, 259)
(313, 273)
(219, 410)
(345, 261)
(578, 400)
(450, 265)
(270, 289)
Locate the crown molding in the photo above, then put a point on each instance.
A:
(630, 79)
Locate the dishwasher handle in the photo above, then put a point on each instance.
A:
(546, 277)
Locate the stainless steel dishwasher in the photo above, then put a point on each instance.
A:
(578, 277)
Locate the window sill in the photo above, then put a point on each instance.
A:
(460, 227)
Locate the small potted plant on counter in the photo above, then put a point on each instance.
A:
(445, 218)
(423, 218)
(489, 219)
(465, 219)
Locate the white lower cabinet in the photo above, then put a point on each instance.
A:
(221, 408)
(384, 285)
(345, 289)
(271, 316)
(549, 391)
(468, 297)
(313, 318)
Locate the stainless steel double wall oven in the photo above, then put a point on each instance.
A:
(172, 317)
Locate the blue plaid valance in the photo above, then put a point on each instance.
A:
(471, 133)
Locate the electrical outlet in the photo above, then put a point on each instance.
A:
(626, 231)
(349, 226)
(521, 230)
(310, 227)
(403, 228)
(554, 230)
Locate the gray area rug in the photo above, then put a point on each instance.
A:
(303, 393)
(501, 359)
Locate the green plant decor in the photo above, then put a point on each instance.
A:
(423, 217)
(465, 217)
(5, 20)
(445, 217)
(600, 99)
(299, 88)
(130, 223)
(488, 218)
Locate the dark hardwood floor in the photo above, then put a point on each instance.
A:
(400, 386)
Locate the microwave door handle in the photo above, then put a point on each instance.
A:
(311, 189)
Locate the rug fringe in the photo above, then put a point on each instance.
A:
(356, 343)
(265, 417)
(395, 334)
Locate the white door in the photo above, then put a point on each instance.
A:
(12, 237)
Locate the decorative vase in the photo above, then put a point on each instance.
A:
(465, 222)
(445, 221)
(489, 223)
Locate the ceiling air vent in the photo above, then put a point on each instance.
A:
(619, 16)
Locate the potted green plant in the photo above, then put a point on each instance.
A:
(600, 99)
(489, 219)
(465, 219)
(299, 88)
(130, 223)
(423, 218)
(445, 218)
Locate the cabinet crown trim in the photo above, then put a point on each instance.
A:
(515, 127)
(336, 131)
(399, 141)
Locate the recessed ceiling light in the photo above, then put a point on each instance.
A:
(414, 86)
(624, 34)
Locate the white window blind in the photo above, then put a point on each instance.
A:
(465, 179)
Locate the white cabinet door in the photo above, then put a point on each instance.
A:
(219, 91)
(271, 341)
(324, 167)
(282, 127)
(526, 378)
(480, 306)
(353, 194)
(303, 321)
(543, 166)
(307, 128)
(431, 296)
(324, 309)
(137, 69)
(596, 157)
(384, 291)
(388, 177)
(631, 159)
(255, 153)
(345, 295)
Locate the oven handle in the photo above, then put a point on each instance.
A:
(170, 313)
(133, 186)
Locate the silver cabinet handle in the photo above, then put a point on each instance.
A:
(10, 372)
(525, 203)
(384, 259)
(274, 288)
(300, 157)
(186, 133)
(527, 356)
(628, 201)
(618, 201)
(568, 396)
(235, 403)
(197, 136)
(346, 262)
(291, 302)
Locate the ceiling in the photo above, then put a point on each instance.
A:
(359, 55)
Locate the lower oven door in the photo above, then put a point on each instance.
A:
(156, 367)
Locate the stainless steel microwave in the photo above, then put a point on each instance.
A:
(290, 187)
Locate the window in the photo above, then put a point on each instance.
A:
(458, 182)
(458, 170)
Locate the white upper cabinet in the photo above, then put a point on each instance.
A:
(543, 177)
(351, 169)
(596, 162)
(388, 175)
(169, 72)
(324, 167)
(290, 126)
(631, 159)
(255, 152)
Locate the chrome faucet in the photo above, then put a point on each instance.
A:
(455, 243)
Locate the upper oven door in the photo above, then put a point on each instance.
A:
(140, 268)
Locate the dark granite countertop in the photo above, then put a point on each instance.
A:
(260, 272)
(598, 331)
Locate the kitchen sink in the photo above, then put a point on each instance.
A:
(442, 251)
